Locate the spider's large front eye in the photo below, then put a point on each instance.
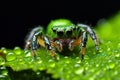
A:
(69, 32)
(60, 33)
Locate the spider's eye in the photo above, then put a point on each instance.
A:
(69, 32)
(53, 29)
(74, 28)
(60, 33)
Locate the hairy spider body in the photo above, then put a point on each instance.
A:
(62, 36)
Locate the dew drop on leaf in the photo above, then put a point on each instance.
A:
(29, 54)
(117, 55)
(42, 68)
(52, 65)
(79, 71)
(66, 60)
(108, 49)
(40, 61)
(97, 65)
(17, 50)
(111, 65)
(86, 57)
(77, 65)
(91, 78)
(4, 50)
(2, 61)
(100, 50)
(116, 72)
(118, 45)
(11, 56)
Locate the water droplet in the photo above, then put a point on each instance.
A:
(17, 50)
(117, 55)
(109, 61)
(98, 72)
(26, 51)
(28, 59)
(109, 42)
(52, 65)
(97, 65)
(116, 72)
(4, 50)
(92, 70)
(86, 68)
(108, 49)
(38, 73)
(66, 60)
(55, 76)
(40, 61)
(50, 60)
(118, 45)
(2, 61)
(77, 65)
(5, 72)
(2, 77)
(100, 50)
(11, 56)
(29, 54)
(78, 60)
(91, 78)
(111, 65)
(66, 57)
(42, 68)
(79, 71)
(86, 57)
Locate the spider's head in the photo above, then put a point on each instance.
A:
(64, 30)
(61, 28)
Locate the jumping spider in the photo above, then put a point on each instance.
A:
(61, 34)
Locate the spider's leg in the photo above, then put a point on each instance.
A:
(34, 43)
(93, 36)
(74, 43)
(28, 38)
(48, 43)
(58, 45)
(84, 41)
(43, 41)
(91, 33)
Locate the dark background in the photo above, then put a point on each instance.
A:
(16, 23)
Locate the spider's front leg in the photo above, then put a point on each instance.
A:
(28, 39)
(80, 40)
(44, 42)
(84, 41)
(50, 47)
(85, 29)
(91, 33)
(34, 44)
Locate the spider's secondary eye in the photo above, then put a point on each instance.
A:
(60, 33)
(53, 29)
(74, 28)
(69, 32)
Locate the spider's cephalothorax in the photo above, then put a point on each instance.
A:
(61, 34)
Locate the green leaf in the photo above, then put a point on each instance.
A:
(103, 65)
